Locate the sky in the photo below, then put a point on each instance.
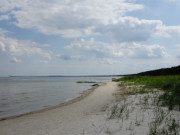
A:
(88, 37)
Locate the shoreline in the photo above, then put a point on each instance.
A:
(72, 117)
(83, 95)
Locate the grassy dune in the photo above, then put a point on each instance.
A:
(151, 103)
(169, 84)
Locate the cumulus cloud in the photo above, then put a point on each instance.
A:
(16, 47)
(131, 29)
(128, 29)
(68, 18)
(168, 31)
(97, 48)
(118, 50)
(81, 18)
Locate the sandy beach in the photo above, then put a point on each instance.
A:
(71, 118)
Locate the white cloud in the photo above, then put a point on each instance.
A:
(16, 60)
(3, 32)
(131, 29)
(16, 47)
(118, 50)
(8, 5)
(178, 50)
(168, 31)
(81, 18)
(128, 29)
(97, 48)
(107, 61)
(68, 18)
(173, 0)
(4, 17)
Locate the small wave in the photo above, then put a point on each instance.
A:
(68, 99)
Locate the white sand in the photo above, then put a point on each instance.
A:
(72, 119)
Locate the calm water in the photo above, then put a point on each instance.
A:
(20, 95)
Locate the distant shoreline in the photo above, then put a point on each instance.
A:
(73, 76)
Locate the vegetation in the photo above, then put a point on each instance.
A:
(118, 111)
(163, 71)
(147, 92)
(169, 84)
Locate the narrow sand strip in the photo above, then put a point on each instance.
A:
(71, 119)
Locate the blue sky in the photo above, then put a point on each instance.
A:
(88, 37)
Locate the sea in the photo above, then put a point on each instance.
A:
(20, 95)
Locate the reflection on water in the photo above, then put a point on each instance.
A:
(20, 95)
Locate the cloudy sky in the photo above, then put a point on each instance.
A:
(88, 37)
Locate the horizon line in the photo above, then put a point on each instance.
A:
(63, 75)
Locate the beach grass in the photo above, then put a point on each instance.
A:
(154, 101)
(169, 84)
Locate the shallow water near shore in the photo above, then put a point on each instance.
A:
(19, 95)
